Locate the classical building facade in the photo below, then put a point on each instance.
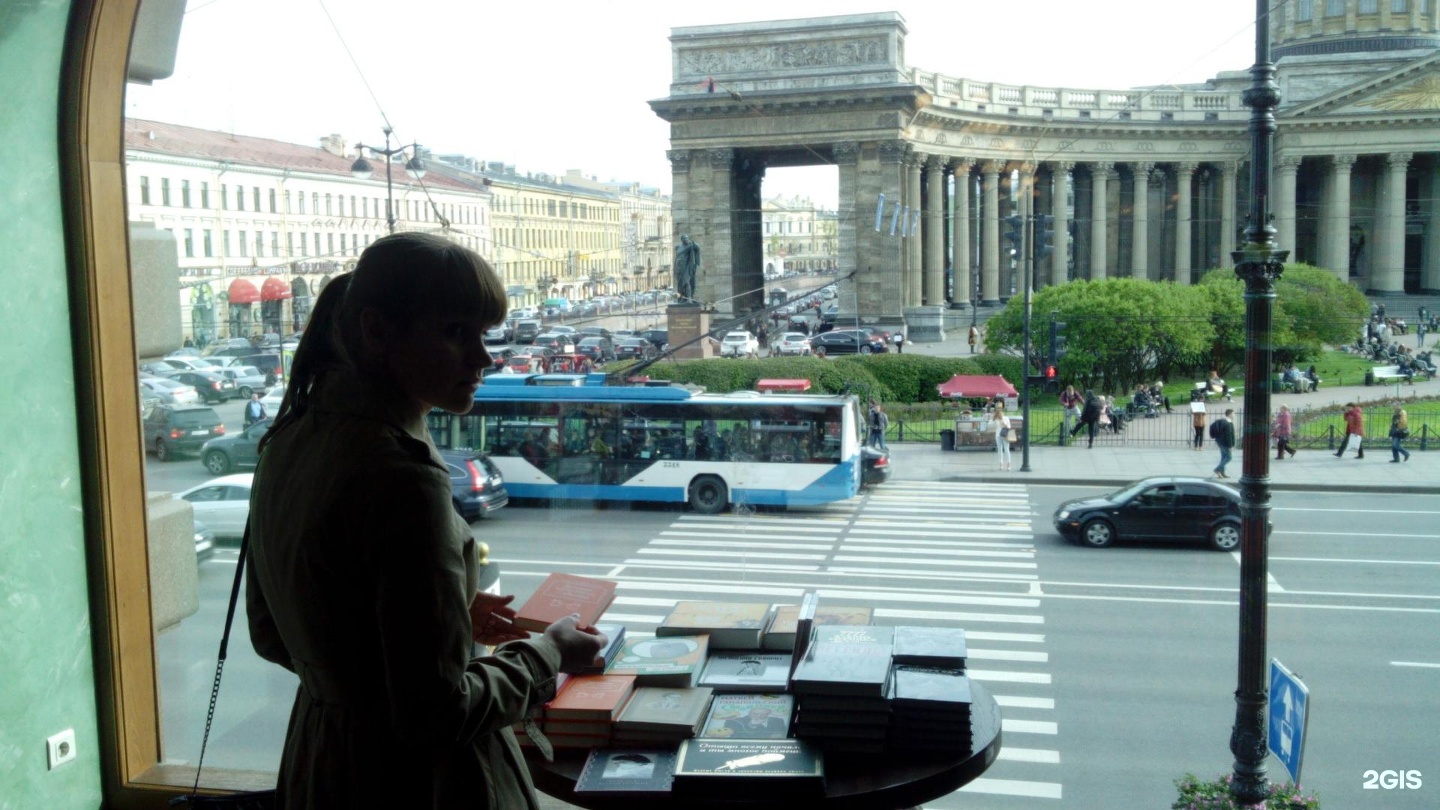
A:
(1145, 182)
(798, 236)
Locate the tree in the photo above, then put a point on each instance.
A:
(1313, 308)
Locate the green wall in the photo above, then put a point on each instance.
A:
(47, 680)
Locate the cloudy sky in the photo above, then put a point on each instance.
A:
(551, 86)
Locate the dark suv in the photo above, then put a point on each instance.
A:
(172, 429)
(476, 486)
(235, 451)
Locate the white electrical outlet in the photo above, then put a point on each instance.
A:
(60, 748)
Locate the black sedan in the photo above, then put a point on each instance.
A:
(847, 341)
(1166, 508)
(598, 349)
(875, 467)
(635, 349)
(212, 386)
(234, 451)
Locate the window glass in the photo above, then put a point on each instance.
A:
(1369, 6)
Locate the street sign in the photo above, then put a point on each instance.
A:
(1289, 705)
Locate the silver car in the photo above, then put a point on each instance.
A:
(248, 379)
(171, 392)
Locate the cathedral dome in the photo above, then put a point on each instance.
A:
(1322, 27)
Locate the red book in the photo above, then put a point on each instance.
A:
(591, 697)
(562, 594)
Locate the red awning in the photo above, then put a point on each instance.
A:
(243, 292)
(783, 385)
(967, 386)
(274, 289)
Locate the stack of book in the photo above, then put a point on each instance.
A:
(656, 716)
(730, 625)
(616, 635)
(930, 710)
(842, 685)
(583, 713)
(746, 671)
(671, 661)
(942, 647)
(781, 633)
(748, 768)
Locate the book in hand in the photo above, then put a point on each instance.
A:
(615, 772)
(561, 595)
(748, 767)
(730, 625)
(749, 717)
(735, 671)
(930, 646)
(846, 660)
(616, 635)
(657, 708)
(672, 661)
(591, 697)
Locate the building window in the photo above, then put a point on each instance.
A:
(1334, 8)
(315, 201)
(273, 208)
(353, 206)
(144, 190)
(1306, 11)
(1369, 6)
(225, 242)
(244, 244)
(317, 244)
(185, 193)
(256, 198)
(330, 244)
(329, 206)
(274, 243)
(290, 245)
(1399, 6)
(204, 195)
(259, 243)
(209, 243)
(189, 243)
(239, 198)
(165, 191)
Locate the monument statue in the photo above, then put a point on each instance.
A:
(687, 265)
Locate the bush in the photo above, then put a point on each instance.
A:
(1215, 795)
(914, 377)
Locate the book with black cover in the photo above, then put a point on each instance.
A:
(614, 772)
(728, 767)
(846, 660)
(933, 689)
(733, 671)
(930, 646)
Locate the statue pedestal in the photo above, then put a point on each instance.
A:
(685, 323)
(925, 324)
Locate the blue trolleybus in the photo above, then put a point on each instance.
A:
(574, 436)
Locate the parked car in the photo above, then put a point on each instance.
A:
(498, 334)
(476, 486)
(635, 348)
(561, 329)
(739, 344)
(597, 331)
(148, 398)
(874, 465)
(526, 330)
(172, 429)
(212, 386)
(847, 341)
(234, 451)
(222, 504)
(557, 343)
(204, 542)
(791, 343)
(599, 349)
(658, 338)
(247, 379)
(273, 398)
(170, 392)
(1168, 508)
(268, 363)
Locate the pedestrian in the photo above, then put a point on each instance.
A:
(254, 409)
(1070, 400)
(1223, 432)
(1354, 426)
(974, 337)
(1089, 416)
(1283, 428)
(879, 423)
(1000, 424)
(392, 709)
(899, 338)
(1197, 421)
(1399, 432)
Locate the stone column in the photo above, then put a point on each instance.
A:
(990, 235)
(1184, 218)
(1099, 190)
(1336, 250)
(960, 262)
(1060, 209)
(1140, 240)
(847, 255)
(913, 252)
(886, 298)
(1228, 173)
(933, 227)
(1286, 167)
(1430, 274)
(717, 258)
(679, 194)
(1388, 275)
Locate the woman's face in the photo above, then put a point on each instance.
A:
(439, 361)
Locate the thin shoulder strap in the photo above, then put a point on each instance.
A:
(224, 648)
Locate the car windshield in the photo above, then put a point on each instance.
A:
(195, 418)
(1132, 490)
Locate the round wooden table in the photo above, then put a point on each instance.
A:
(858, 781)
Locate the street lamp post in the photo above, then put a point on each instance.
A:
(414, 167)
(1258, 263)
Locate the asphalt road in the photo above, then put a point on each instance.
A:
(1115, 667)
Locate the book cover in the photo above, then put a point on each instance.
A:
(670, 661)
(657, 708)
(610, 772)
(730, 625)
(780, 635)
(736, 671)
(846, 660)
(603, 659)
(709, 761)
(562, 594)
(590, 697)
(931, 688)
(749, 717)
(930, 646)
(843, 614)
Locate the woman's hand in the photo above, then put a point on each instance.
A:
(578, 645)
(492, 620)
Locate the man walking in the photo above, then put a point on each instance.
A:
(1222, 430)
(879, 423)
(254, 410)
(1354, 426)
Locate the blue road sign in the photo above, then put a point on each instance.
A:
(1289, 700)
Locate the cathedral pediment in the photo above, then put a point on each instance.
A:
(1408, 89)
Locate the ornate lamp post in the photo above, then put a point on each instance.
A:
(1258, 263)
(414, 167)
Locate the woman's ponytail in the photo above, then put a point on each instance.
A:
(316, 354)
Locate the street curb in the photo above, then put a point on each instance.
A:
(1021, 478)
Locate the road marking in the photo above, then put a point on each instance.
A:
(1269, 577)
(1007, 676)
(1370, 562)
(922, 561)
(1042, 755)
(1368, 534)
(731, 544)
(1013, 787)
(1007, 655)
(1414, 664)
(1019, 555)
(1028, 726)
(748, 555)
(1011, 702)
(1235, 602)
(1356, 511)
(910, 541)
(929, 598)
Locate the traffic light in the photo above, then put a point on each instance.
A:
(1044, 237)
(1015, 232)
(1057, 341)
(1052, 378)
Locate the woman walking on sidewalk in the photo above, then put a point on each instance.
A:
(1284, 427)
(1000, 423)
(1399, 432)
(1197, 421)
(1354, 426)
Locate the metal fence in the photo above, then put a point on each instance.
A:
(921, 423)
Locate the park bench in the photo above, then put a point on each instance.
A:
(1384, 374)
